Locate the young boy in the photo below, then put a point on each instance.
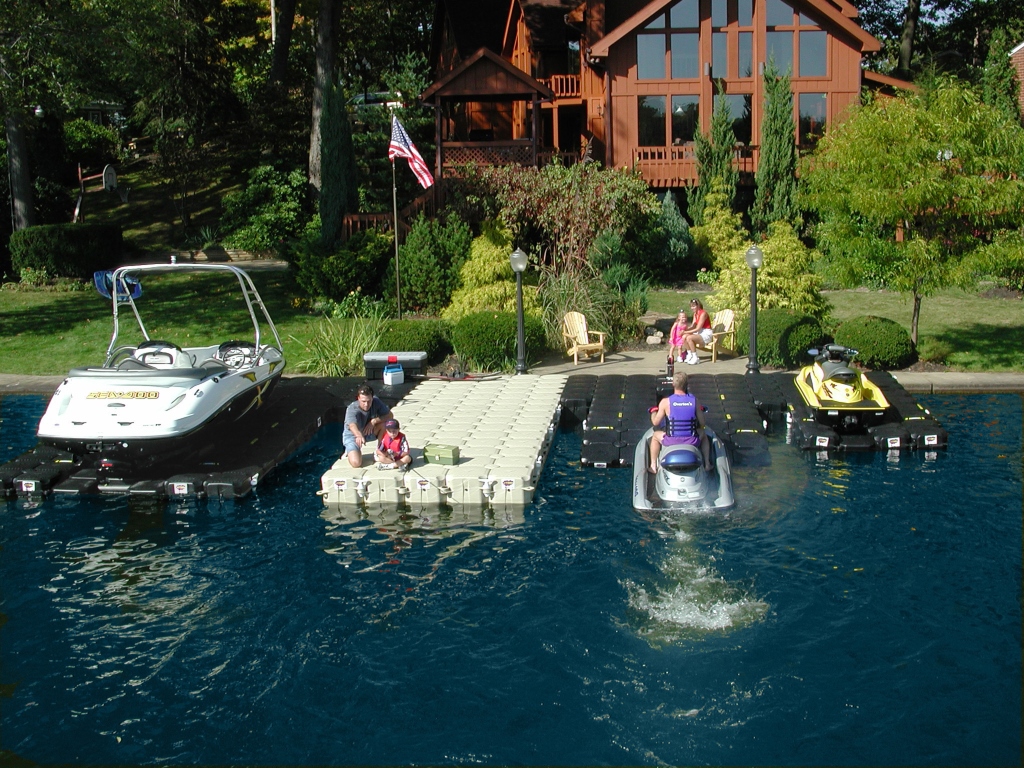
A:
(392, 451)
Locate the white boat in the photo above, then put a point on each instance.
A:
(153, 402)
(681, 481)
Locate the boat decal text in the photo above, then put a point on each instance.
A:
(133, 394)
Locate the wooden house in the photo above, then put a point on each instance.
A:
(630, 83)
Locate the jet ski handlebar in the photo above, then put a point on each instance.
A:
(833, 353)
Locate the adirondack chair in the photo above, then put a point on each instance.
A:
(723, 333)
(578, 338)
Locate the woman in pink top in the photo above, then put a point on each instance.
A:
(675, 337)
(699, 333)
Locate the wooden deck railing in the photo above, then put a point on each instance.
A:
(564, 86)
(677, 166)
(426, 203)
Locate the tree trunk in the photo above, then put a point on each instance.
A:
(915, 317)
(322, 79)
(20, 173)
(283, 41)
(910, 20)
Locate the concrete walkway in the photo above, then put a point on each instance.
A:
(653, 362)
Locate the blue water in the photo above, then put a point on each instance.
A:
(847, 612)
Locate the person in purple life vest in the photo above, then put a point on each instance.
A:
(392, 451)
(678, 420)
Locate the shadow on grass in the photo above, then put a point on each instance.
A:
(982, 346)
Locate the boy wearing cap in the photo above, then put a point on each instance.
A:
(392, 451)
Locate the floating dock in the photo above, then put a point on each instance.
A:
(503, 429)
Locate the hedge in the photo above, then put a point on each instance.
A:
(487, 340)
(881, 343)
(783, 337)
(430, 336)
(67, 250)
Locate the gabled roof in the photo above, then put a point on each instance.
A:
(485, 76)
(1018, 48)
(601, 48)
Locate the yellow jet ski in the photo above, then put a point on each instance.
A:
(838, 395)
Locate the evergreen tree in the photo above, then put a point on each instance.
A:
(337, 166)
(776, 169)
(999, 86)
(714, 156)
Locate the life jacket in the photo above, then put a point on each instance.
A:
(682, 416)
(393, 446)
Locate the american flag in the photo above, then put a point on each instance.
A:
(402, 146)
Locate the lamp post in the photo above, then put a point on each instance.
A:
(755, 258)
(518, 261)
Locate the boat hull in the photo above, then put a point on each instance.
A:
(136, 424)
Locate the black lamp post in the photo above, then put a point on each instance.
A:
(755, 258)
(518, 261)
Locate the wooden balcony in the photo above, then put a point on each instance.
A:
(677, 167)
(564, 86)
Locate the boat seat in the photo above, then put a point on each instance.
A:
(163, 354)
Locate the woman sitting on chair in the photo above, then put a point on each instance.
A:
(699, 332)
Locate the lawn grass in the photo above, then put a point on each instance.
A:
(44, 333)
(980, 334)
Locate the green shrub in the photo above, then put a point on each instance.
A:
(783, 337)
(487, 280)
(360, 266)
(932, 350)
(881, 343)
(431, 258)
(607, 309)
(90, 144)
(66, 250)
(267, 212)
(430, 336)
(487, 340)
(336, 347)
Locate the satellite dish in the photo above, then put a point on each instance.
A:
(109, 179)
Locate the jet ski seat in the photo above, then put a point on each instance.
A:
(672, 457)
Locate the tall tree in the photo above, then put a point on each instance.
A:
(714, 156)
(323, 78)
(911, 17)
(338, 166)
(284, 24)
(776, 168)
(1000, 88)
(45, 51)
(937, 176)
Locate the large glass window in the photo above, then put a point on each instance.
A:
(778, 13)
(650, 57)
(719, 54)
(780, 50)
(719, 13)
(745, 13)
(746, 54)
(685, 118)
(739, 111)
(685, 55)
(813, 54)
(651, 121)
(685, 14)
(812, 118)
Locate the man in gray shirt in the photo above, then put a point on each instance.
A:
(364, 420)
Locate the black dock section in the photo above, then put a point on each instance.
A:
(230, 467)
(613, 414)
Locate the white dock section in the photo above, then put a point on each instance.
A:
(503, 428)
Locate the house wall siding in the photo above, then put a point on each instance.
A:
(1017, 62)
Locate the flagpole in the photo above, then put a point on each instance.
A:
(394, 201)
